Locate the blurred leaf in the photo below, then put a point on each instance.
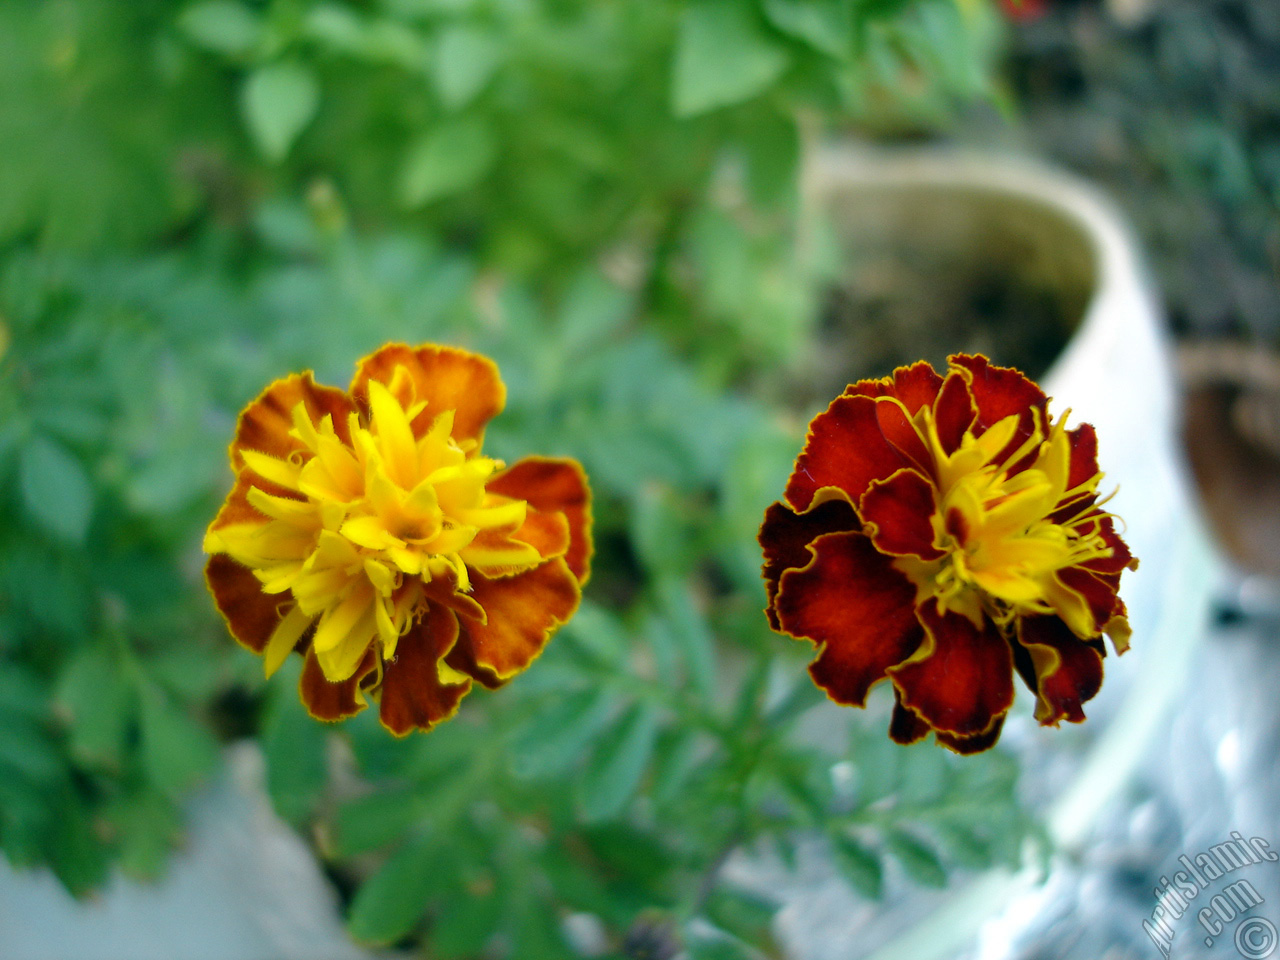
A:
(176, 751)
(278, 101)
(101, 703)
(21, 693)
(55, 488)
(455, 155)
(465, 60)
(660, 532)
(677, 760)
(826, 24)
(592, 311)
(223, 26)
(919, 861)
(772, 146)
(722, 57)
(147, 826)
(77, 857)
(860, 866)
(557, 737)
(696, 641)
(468, 919)
(25, 750)
(391, 903)
(375, 820)
(613, 772)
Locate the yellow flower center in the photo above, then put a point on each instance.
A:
(368, 524)
(1003, 548)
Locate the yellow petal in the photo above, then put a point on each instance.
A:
(291, 626)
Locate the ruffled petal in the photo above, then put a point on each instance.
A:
(895, 423)
(916, 386)
(523, 611)
(251, 615)
(963, 681)
(333, 701)
(898, 515)
(1068, 671)
(785, 535)
(446, 378)
(552, 485)
(1121, 558)
(1099, 595)
(265, 423)
(845, 449)
(414, 696)
(966, 746)
(1000, 392)
(856, 607)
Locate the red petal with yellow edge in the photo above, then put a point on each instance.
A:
(1068, 670)
(1000, 392)
(916, 386)
(895, 424)
(966, 746)
(845, 449)
(332, 701)
(1097, 593)
(1084, 455)
(953, 411)
(904, 726)
(265, 423)
(856, 607)
(965, 682)
(1121, 558)
(553, 485)
(447, 378)
(523, 611)
(901, 509)
(251, 615)
(785, 537)
(412, 697)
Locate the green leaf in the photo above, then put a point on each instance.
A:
(100, 703)
(391, 902)
(918, 860)
(860, 866)
(452, 157)
(468, 920)
(26, 750)
(723, 56)
(294, 745)
(466, 58)
(825, 24)
(660, 532)
(613, 773)
(223, 26)
(556, 738)
(176, 751)
(278, 102)
(55, 489)
(147, 825)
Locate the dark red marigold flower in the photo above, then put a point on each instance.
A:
(943, 532)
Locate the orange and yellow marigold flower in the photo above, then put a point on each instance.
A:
(943, 532)
(367, 531)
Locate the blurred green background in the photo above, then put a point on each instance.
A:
(197, 198)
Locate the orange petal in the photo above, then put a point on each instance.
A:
(852, 603)
(895, 423)
(845, 449)
(953, 411)
(964, 683)
(447, 378)
(413, 698)
(523, 611)
(1067, 670)
(236, 509)
(784, 535)
(333, 701)
(251, 615)
(904, 726)
(898, 513)
(265, 423)
(552, 485)
(916, 386)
